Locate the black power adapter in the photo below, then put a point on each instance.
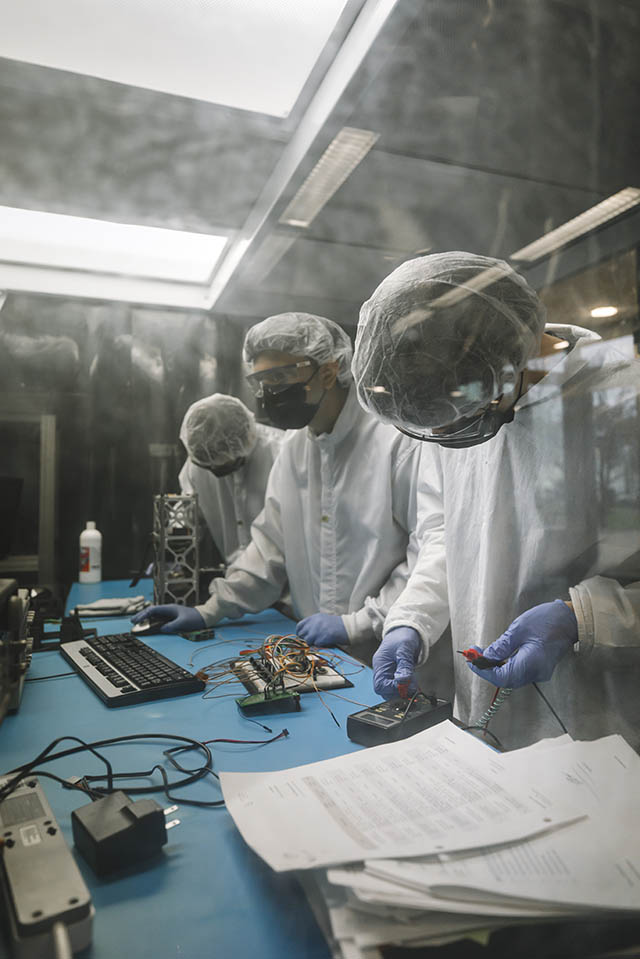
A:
(114, 832)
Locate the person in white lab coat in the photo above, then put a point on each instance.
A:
(528, 501)
(340, 502)
(229, 458)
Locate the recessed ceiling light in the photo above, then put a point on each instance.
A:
(604, 311)
(338, 162)
(57, 241)
(585, 222)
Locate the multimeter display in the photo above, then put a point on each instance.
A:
(376, 718)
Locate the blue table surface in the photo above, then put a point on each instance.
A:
(208, 894)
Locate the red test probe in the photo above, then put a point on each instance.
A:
(473, 656)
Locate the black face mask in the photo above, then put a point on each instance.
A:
(228, 468)
(287, 409)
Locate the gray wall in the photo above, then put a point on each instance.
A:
(119, 380)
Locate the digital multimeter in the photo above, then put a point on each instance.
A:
(396, 719)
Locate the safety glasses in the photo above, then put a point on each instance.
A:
(278, 378)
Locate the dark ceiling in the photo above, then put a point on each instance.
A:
(497, 120)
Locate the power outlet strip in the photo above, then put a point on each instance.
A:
(39, 879)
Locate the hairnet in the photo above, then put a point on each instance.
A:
(217, 430)
(302, 334)
(443, 336)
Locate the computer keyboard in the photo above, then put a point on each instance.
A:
(123, 670)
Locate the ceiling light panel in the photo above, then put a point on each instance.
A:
(54, 241)
(338, 162)
(585, 222)
(250, 54)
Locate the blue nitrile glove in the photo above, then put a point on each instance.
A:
(323, 629)
(395, 661)
(539, 638)
(180, 619)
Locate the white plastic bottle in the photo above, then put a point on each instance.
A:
(90, 554)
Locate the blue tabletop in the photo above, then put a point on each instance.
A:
(208, 894)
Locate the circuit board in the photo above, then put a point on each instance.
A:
(310, 673)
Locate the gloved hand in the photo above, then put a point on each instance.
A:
(180, 619)
(394, 662)
(539, 639)
(323, 629)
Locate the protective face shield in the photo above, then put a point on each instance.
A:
(227, 468)
(282, 397)
(441, 344)
(472, 430)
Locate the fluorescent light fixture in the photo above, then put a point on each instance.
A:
(585, 222)
(604, 311)
(338, 162)
(72, 243)
(371, 19)
(249, 54)
(561, 345)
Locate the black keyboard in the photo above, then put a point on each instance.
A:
(123, 670)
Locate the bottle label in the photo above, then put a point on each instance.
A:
(84, 559)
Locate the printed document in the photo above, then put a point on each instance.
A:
(594, 863)
(438, 791)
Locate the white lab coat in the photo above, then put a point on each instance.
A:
(229, 504)
(336, 524)
(549, 508)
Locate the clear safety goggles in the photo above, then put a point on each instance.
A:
(472, 430)
(278, 378)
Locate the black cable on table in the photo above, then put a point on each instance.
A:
(41, 679)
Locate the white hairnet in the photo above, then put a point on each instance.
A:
(218, 430)
(443, 336)
(302, 334)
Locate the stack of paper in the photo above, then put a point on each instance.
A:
(436, 836)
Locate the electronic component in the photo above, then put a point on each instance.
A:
(40, 881)
(479, 661)
(311, 672)
(199, 635)
(123, 670)
(115, 832)
(16, 644)
(396, 719)
(278, 701)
